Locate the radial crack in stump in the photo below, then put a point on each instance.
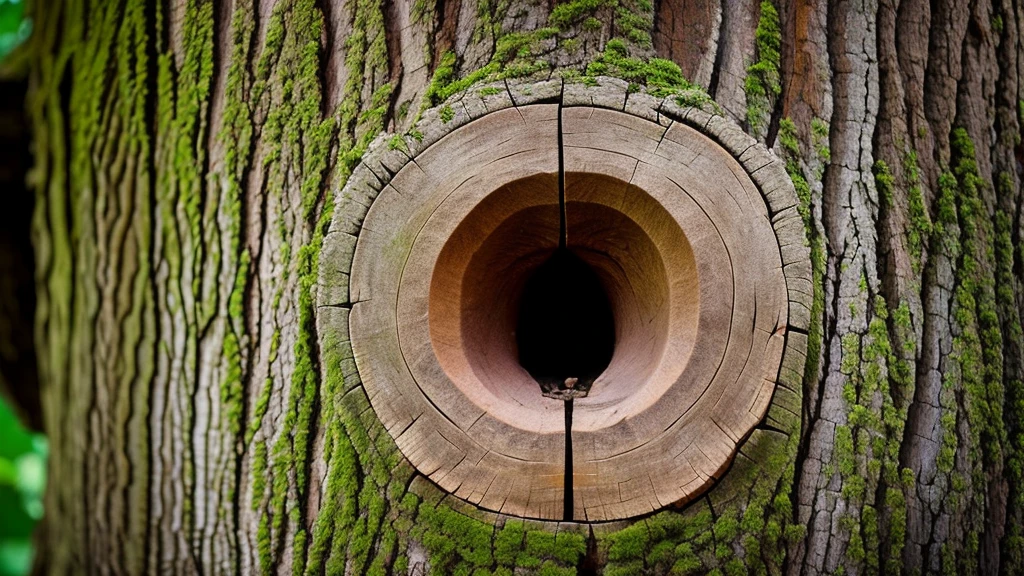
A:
(653, 330)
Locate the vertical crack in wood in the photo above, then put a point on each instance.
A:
(567, 498)
(567, 494)
(562, 232)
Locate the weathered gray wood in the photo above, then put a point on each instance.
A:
(442, 419)
(726, 385)
(689, 213)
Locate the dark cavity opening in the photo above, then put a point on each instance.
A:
(565, 327)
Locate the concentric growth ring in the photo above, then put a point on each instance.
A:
(676, 260)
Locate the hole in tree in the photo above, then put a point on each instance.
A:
(565, 327)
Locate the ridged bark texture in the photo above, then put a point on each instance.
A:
(186, 157)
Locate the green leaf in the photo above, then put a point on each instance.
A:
(16, 557)
(14, 27)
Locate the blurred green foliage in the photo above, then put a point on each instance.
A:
(22, 453)
(14, 27)
(22, 480)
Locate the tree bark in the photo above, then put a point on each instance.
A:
(186, 158)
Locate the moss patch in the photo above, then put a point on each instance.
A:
(762, 84)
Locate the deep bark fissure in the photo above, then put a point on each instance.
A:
(323, 73)
(64, 97)
(719, 54)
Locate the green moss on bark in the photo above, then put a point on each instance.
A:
(1013, 540)
(762, 84)
(523, 54)
(972, 396)
(978, 348)
(661, 77)
(789, 139)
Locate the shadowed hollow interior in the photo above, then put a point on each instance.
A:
(486, 265)
(565, 328)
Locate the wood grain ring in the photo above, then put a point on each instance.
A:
(685, 243)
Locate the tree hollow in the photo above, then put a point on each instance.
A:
(541, 244)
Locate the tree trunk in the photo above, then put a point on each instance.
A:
(187, 155)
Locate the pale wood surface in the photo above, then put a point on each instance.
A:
(700, 407)
(690, 225)
(448, 436)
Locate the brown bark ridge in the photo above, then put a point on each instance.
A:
(203, 417)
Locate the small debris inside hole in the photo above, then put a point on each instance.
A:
(566, 390)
